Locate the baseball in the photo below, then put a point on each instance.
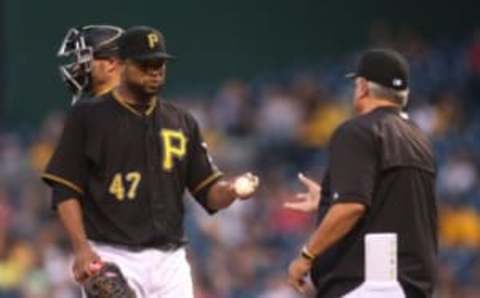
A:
(244, 186)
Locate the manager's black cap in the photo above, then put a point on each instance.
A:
(385, 67)
(143, 43)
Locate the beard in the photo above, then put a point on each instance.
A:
(143, 91)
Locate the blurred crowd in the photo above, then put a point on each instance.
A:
(275, 125)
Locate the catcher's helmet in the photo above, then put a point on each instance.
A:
(79, 47)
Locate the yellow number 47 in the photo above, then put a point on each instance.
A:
(117, 185)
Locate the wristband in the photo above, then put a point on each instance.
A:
(307, 254)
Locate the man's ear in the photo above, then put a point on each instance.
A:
(363, 88)
(113, 64)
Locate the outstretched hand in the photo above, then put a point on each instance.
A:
(307, 201)
(244, 186)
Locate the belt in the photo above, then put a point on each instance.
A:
(169, 246)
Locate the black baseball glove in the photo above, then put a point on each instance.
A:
(108, 282)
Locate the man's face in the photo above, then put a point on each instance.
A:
(98, 72)
(359, 94)
(102, 71)
(147, 76)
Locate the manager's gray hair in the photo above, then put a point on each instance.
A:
(397, 96)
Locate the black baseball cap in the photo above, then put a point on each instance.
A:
(383, 66)
(142, 43)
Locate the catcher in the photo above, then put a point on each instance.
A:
(89, 60)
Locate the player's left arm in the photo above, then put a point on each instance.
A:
(205, 181)
(224, 192)
(353, 168)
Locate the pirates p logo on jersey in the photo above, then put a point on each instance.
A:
(174, 146)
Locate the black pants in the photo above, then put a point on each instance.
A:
(411, 292)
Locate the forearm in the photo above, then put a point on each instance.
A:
(70, 215)
(221, 195)
(339, 220)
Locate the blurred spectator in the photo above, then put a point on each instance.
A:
(458, 176)
(459, 227)
(231, 107)
(43, 146)
(279, 116)
(474, 66)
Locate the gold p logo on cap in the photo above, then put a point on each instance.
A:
(152, 40)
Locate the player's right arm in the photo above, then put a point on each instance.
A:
(69, 210)
(66, 174)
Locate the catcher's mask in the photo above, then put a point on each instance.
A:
(79, 47)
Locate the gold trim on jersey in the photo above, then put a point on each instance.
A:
(124, 104)
(63, 181)
(105, 89)
(153, 103)
(206, 182)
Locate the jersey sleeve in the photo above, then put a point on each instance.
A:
(202, 173)
(61, 193)
(353, 165)
(68, 165)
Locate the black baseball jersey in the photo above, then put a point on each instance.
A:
(383, 161)
(129, 170)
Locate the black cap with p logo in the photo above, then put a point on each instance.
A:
(143, 43)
